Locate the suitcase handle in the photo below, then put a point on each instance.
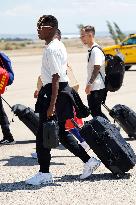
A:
(106, 107)
(6, 102)
(75, 124)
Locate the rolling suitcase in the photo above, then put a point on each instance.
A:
(108, 144)
(27, 116)
(125, 117)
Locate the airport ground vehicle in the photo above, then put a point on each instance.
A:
(126, 49)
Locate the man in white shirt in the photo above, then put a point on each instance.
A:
(52, 98)
(95, 86)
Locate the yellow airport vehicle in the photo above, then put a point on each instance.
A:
(126, 50)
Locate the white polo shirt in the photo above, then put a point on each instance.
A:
(54, 61)
(96, 58)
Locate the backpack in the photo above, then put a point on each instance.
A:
(5, 63)
(4, 78)
(114, 70)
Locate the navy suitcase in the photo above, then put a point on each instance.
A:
(108, 144)
(27, 116)
(125, 117)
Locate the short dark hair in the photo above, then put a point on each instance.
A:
(47, 20)
(89, 29)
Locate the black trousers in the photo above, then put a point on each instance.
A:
(4, 122)
(66, 138)
(95, 99)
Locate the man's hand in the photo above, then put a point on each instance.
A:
(50, 111)
(36, 94)
(88, 89)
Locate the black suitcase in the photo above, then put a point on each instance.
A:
(108, 144)
(125, 117)
(27, 116)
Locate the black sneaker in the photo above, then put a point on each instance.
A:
(7, 142)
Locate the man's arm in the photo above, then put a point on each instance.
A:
(39, 85)
(55, 88)
(92, 79)
(94, 74)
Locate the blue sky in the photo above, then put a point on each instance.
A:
(20, 16)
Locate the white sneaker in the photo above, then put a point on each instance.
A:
(90, 167)
(85, 146)
(40, 178)
(34, 155)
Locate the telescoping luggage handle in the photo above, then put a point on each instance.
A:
(10, 108)
(6, 102)
(109, 110)
(75, 124)
(106, 107)
(80, 128)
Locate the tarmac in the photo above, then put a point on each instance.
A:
(16, 164)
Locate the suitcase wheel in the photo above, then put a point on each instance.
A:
(132, 136)
(116, 172)
(119, 175)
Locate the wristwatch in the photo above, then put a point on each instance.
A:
(89, 83)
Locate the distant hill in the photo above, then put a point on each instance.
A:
(64, 35)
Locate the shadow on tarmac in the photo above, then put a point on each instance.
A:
(10, 187)
(23, 161)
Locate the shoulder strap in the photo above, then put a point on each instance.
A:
(92, 49)
(102, 77)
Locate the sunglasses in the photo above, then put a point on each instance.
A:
(41, 27)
